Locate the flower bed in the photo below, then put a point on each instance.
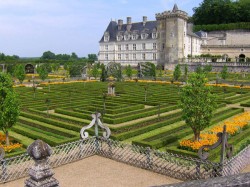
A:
(10, 148)
(234, 126)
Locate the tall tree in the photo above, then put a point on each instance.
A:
(74, 56)
(224, 72)
(197, 103)
(128, 71)
(48, 55)
(92, 57)
(20, 73)
(104, 73)
(211, 11)
(55, 66)
(9, 105)
(177, 72)
(95, 71)
(186, 71)
(43, 72)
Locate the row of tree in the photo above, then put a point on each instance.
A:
(221, 11)
(48, 57)
(206, 69)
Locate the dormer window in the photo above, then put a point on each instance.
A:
(106, 37)
(154, 35)
(119, 37)
(134, 37)
(144, 36)
(127, 37)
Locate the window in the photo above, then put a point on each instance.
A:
(126, 56)
(119, 56)
(143, 56)
(134, 37)
(119, 47)
(106, 47)
(163, 46)
(143, 46)
(154, 56)
(119, 37)
(154, 35)
(134, 56)
(106, 36)
(172, 34)
(134, 47)
(154, 45)
(126, 46)
(126, 37)
(144, 36)
(184, 46)
(106, 56)
(184, 33)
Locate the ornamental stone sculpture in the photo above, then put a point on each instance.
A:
(41, 173)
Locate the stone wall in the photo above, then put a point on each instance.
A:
(217, 67)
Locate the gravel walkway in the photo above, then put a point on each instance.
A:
(98, 171)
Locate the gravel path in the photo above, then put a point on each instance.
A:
(98, 171)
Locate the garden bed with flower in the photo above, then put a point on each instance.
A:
(57, 112)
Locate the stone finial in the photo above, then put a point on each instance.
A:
(175, 8)
(39, 150)
(41, 173)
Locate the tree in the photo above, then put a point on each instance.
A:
(177, 72)
(55, 66)
(197, 103)
(74, 56)
(95, 71)
(48, 55)
(43, 72)
(92, 58)
(128, 71)
(9, 105)
(186, 71)
(224, 72)
(104, 74)
(207, 68)
(20, 73)
(75, 69)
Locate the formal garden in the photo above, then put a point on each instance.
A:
(145, 113)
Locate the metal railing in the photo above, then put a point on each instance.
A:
(173, 165)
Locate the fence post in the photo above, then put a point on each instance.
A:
(3, 162)
(198, 170)
(81, 148)
(148, 158)
(110, 152)
(4, 169)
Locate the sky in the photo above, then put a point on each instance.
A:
(30, 27)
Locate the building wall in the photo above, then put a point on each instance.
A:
(228, 37)
(232, 52)
(118, 52)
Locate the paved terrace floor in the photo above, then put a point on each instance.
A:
(98, 171)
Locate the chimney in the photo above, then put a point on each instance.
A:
(129, 23)
(145, 19)
(120, 23)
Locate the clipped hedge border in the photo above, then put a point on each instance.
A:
(142, 130)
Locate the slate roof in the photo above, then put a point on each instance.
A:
(200, 33)
(113, 29)
(190, 33)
